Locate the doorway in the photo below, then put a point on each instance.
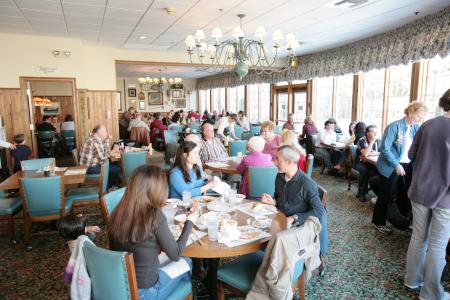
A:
(52, 116)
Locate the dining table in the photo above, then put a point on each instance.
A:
(334, 146)
(213, 251)
(224, 167)
(70, 175)
(155, 155)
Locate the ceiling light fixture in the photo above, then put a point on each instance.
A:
(241, 52)
(158, 84)
(142, 37)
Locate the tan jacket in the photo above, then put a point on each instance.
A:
(273, 280)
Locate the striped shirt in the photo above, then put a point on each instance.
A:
(213, 150)
(94, 152)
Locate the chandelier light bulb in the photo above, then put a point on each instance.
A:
(216, 33)
(203, 46)
(260, 33)
(277, 35)
(237, 32)
(199, 35)
(290, 38)
(190, 41)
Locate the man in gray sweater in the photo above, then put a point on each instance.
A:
(430, 200)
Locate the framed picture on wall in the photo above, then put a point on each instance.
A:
(132, 103)
(155, 98)
(119, 105)
(132, 93)
(180, 103)
(141, 96)
(51, 110)
(141, 105)
(177, 94)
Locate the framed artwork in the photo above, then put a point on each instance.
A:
(177, 94)
(155, 98)
(141, 105)
(132, 103)
(132, 93)
(177, 86)
(51, 110)
(141, 96)
(118, 96)
(180, 103)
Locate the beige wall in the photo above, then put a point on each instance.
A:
(92, 66)
(45, 88)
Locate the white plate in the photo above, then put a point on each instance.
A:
(219, 207)
(262, 222)
(264, 209)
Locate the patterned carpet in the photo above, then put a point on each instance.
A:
(361, 263)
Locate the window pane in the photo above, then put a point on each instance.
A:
(438, 80)
(240, 105)
(372, 97)
(218, 99)
(253, 98)
(232, 99)
(344, 92)
(264, 106)
(204, 100)
(300, 104)
(324, 100)
(282, 100)
(399, 88)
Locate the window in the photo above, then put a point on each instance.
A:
(218, 99)
(258, 96)
(300, 104)
(438, 78)
(282, 102)
(264, 102)
(232, 99)
(236, 100)
(205, 102)
(324, 100)
(373, 97)
(399, 90)
(253, 99)
(344, 94)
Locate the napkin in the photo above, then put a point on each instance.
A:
(172, 268)
(222, 188)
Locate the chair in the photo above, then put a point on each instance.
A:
(261, 180)
(318, 156)
(8, 208)
(194, 126)
(277, 129)
(238, 275)
(109, 201)
(36, 164)
(140, 135)
(177, 128)
(46, 146)
(309, 165)
(42, 200)
(130, 161)
(90, 195)
(245, 136)
(238, 146)
(353, 173)
(238, 130)
(171, 151)
(255, 130)
(171, 136)
(68, 137)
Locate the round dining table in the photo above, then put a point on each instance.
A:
(213, 251)
(221, 167)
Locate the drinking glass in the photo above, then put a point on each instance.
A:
(186, 196)
(169, 211)
(213, 228)
(232, 195)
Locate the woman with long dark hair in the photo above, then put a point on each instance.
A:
(186, 174)
(138, 225)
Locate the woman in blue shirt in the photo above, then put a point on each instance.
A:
(186, 174)
(394, 162)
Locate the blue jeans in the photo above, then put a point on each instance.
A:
(323, 235)
(164, 286)
(425, 260)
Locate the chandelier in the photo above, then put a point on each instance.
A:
(158, 84)
(242, 53)
(38, 101)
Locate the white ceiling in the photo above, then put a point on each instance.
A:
(120, 23)
(142, 70)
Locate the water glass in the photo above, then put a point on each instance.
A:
(169, 211)
(213, 228)
(186, 196)
(232, 195)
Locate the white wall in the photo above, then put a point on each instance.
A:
(132, 82)
(92, 66)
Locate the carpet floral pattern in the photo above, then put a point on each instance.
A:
(361, 263)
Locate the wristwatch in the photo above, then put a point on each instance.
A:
(295, 218)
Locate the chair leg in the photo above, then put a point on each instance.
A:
(26, 229)
(12, 236)
(301, 285)
(220, 290)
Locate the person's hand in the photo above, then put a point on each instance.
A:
(266, 198)
(400, 171)
(91, 229)
(289, 221)
(12, 146)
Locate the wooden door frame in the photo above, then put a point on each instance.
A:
(72, 80)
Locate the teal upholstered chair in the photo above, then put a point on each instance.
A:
(309, 164)
(171, 136)
(238, 130)
(42, 200)
(130, 161)
(261, 180)
(8, 208)
(109, 201)
(277, 129)
(238, 146)
(194, 126)
(46, 145)
(238, 275)
(69, 139)
(255, 130)
(36, 164)
(90, 195)
(245, 136)
(353, 173)
(169, 157)
(177, 128)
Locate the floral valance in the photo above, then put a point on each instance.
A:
(422, 39)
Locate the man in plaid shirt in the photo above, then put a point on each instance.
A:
(95, 151)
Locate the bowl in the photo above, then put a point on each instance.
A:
(181, 218)
(262, 222)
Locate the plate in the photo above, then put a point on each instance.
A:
(219, 207)
(262, 222)
(264, 209)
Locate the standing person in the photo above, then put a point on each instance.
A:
(430, 200)
(243, 120)
(21, 151)
(138, 225)
(393, 163)
(221, 125)
(68, 123)
(308, 130)
(272, 140)
(289, 125)
(124, 122)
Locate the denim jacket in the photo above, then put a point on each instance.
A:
(391, 152)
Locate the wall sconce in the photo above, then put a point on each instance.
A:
(62, 53)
